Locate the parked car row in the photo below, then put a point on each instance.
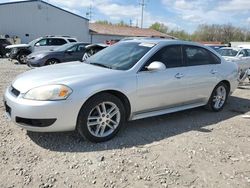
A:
(21, 51)
(129, 80)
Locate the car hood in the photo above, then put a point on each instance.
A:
(17, 46)
(67, 74)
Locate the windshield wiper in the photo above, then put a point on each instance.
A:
(101, 65)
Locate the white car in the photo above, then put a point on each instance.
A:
(130, 80)
(241, 56)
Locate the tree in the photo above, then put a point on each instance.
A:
(103, 22)
(159, 27)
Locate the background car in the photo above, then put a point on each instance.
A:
(66, 53)
(93, 49)
(127, 81)
(20, 51)
(3, 44)
(215, 47)
(241, 56)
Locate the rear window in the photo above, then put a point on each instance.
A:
(72, 40)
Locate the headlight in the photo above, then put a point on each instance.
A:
(48, 92)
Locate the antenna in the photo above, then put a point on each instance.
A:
(142, 4)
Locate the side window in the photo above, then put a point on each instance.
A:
(81, 48)
(171, 56)
(199, 56)
(42, 42)
(71, 40)
(248, 52)
(73, 48)
(57, 42)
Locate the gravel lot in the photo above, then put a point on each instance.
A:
(194, 148)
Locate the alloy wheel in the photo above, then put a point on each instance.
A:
(103, 119)
(220, 97)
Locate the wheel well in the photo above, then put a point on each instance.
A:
(23, 51)
(227, 83)
(122, 97)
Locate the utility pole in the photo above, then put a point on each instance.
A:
(89, 13)
(142, 4)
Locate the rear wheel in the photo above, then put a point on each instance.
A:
(218, 98)
(101, 117)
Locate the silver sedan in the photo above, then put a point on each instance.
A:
(130, 80)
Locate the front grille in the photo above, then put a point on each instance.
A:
(15, 91)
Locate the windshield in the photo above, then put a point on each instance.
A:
(228, 52)
(64, 47)
(121, 56)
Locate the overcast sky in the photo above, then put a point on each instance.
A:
(181, 14)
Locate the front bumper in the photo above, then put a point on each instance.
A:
(59, 115)
(35, 62)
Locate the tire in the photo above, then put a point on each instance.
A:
(105, 127)
(52, 62)
(218, 98)
(22, 57)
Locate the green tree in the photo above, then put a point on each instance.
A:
(159, 27)
(103, 22)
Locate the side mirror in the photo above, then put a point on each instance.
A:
(156, 66)
(37, 44)
(240, 56)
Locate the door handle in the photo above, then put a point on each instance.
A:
(179, 75)
(213, 71)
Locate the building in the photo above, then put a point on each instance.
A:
(239, 44)
(35, 18)
(100, 33)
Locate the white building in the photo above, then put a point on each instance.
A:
(35, 18)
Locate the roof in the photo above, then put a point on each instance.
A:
(29, 1)
(126, 31)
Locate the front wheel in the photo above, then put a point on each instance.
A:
(101, 117)
(22, 58)
(218, 98)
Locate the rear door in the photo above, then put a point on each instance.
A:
(55, 42)
(201, 73)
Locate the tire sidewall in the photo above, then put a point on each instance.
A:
(88, 107)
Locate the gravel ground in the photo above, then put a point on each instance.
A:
(194, 148)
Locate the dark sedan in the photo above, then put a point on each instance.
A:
(66, 53)
(3, 44)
